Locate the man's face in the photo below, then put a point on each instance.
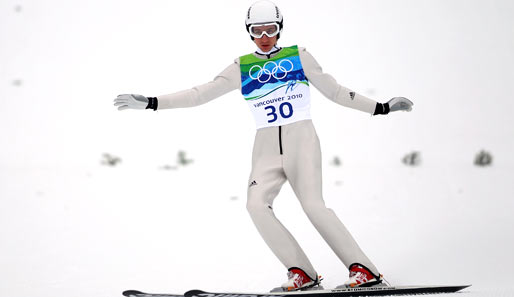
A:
(265, 43)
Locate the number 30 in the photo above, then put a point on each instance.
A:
(281, 109)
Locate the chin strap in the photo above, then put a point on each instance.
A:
(270, 53)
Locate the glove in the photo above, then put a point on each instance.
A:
(131, 101)
(400, 103)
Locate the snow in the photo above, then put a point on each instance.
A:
(70, 226)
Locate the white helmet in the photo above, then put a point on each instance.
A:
(262, 12)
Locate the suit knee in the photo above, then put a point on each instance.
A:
(256, 206)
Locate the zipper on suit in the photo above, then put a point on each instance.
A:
(280, 138)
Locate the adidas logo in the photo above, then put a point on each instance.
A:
(253, 183)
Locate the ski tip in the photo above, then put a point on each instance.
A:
(459, 287)
(131, 293)
(193, 293)
(453, 289)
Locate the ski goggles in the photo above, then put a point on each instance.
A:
(258, 30)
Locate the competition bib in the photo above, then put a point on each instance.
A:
(275, 89)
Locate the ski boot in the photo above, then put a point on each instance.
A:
(299, 280)
(361, 276)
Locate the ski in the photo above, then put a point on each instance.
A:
(135, 293)
(370, 291)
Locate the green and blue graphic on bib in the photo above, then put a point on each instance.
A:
(276, 89)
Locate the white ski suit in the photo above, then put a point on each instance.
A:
(288, 152)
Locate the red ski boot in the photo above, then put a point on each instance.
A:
(360, 276)
(298, 280)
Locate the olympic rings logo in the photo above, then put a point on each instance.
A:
(267, 73)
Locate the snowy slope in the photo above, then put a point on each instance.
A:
(98, 231)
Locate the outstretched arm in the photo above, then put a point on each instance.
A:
(226, 81)
(329, 87)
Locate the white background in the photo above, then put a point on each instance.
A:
(70, 226)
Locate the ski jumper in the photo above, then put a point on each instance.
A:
(286, 146)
